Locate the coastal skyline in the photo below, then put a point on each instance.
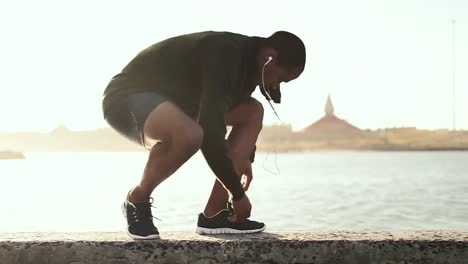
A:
(328, 110)
(384, 63)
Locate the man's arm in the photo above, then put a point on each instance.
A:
(220, 67)
(252, 155)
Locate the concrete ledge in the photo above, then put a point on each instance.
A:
(275, 247)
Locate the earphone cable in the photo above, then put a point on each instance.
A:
(274, 111)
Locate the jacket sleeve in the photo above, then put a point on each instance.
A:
(220, 69)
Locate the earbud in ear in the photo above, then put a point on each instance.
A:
(268, 61)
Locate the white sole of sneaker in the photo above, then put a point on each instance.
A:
(150, 237)
(214, 231)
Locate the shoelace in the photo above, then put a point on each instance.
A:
(142, 212)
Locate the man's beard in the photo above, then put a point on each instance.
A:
(275, 94)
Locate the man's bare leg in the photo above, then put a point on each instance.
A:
(173, 138)
(246, 121)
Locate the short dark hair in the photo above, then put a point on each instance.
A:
(290, 48)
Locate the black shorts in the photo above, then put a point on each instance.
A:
(127, 115)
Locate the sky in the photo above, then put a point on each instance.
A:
(384, 63)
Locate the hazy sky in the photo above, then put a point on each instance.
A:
(385, 63)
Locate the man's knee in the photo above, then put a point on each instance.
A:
(189, 139)
(247, 114)
(255, 110)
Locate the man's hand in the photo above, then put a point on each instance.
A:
(247, 176)
(242, 210)
(244, 169)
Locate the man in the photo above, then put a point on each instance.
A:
(177, 96)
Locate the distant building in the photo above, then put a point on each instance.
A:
(330, 126)
(276, 133)
(61, 130)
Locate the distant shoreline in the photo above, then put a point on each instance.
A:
(11, 155)
(275, 138)
(260, 150)
(364, 150)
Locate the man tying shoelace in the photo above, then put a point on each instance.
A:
(178, 96)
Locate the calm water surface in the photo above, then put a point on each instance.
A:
(67, 192)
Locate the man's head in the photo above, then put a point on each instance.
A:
(281, 58)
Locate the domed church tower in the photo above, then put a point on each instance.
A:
(330, 126)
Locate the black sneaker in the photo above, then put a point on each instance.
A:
(220, 224)
(139, 219)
